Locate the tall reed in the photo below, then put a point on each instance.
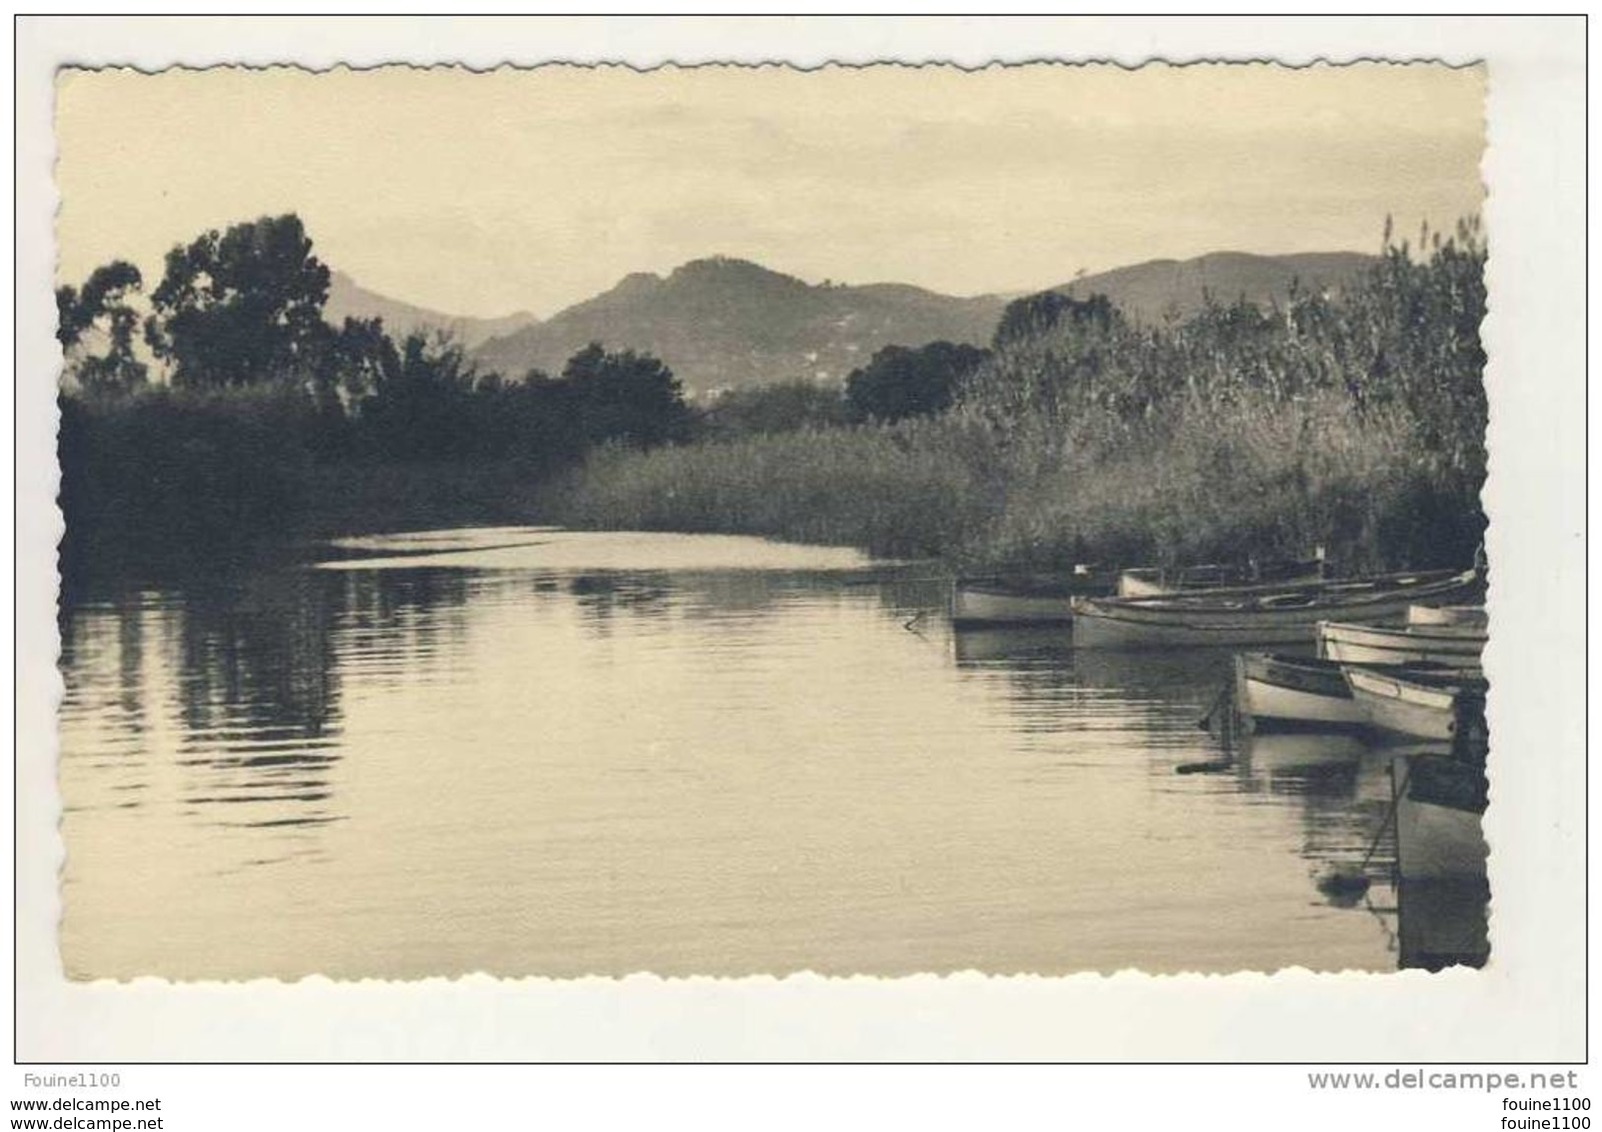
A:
(1352, 420)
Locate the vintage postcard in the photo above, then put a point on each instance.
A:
(560, 521)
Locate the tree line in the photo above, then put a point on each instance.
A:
(223, 403)
(220, 403)
(242, 311)
(239, 314)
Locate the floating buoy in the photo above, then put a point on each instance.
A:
(1344, 884)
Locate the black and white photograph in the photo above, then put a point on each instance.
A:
(722, 521)
(572, 522)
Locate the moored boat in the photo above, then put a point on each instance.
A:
(1470, 616)
(1250, 615)
(1456, 646)
(1424, 705)
(1278, 692)
(1441, 921)
(1440, 802)
(1023, 600)
(1153, 581)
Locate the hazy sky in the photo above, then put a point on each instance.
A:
(482, 194)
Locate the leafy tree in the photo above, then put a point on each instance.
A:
(420, 401)
(535, 421)
(899, 382)
(1036, 314)
(241, 307)
(354, 361)
(626, 396)
(103, 299)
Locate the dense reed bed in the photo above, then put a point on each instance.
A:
(865, 486)
(1354, 420)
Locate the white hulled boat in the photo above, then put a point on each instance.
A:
(1268, 614)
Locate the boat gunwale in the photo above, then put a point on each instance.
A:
(1165, 581)
(1453, 683)
(1019, 588)
(1222, 618)
(1349, 632)
(1469, 616)
(1382, 590)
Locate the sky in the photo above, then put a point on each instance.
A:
(486, 193)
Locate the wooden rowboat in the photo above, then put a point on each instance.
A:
(1276, 692)
(1457, 646)
(1027, 600)
(1439, 805)
(1436, 706)
(1470, 616)
(1441, 920)
(1249, 615)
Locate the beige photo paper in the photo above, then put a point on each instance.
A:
(552, 522)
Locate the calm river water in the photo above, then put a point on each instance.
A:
(534, 752)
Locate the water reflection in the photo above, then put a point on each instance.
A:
(528, 753)
(393, 624)
(1359, 797)
(1154, 700)
(601, 597)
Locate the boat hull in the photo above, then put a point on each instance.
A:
(1465, 616)
(1003, 600)
(1441, 922)
(1440, 805)
(977, 605)
(1407, 707)
(1290, 693)
(1456, 647)
(1256, 614)
(1252, 615)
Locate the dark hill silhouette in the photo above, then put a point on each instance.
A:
(728, 323)
(723, 323)
(349, 299)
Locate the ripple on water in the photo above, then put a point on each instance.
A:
(535, 751)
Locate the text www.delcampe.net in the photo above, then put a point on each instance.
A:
(1447, 1080)
(70, 1114)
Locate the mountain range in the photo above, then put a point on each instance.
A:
(723, 323)
(349, 299)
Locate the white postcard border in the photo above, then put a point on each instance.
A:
(1525, 1006)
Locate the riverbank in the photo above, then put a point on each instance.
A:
(162, 523)
(1354, 421)
(1197, 488)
